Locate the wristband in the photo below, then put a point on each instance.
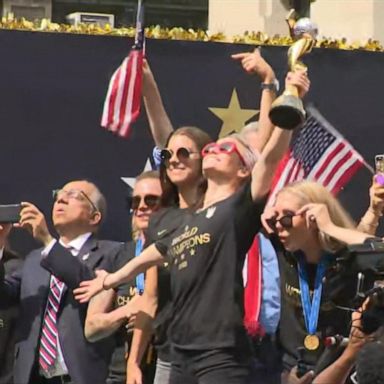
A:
(273, 86)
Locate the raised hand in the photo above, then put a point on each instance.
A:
(376, 195)
(254, 63)
(33, 220)
(300, 80)
(5, 228)
(268, 214)
(317, 216)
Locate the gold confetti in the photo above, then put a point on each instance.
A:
(9, 22)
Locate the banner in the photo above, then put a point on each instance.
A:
(52, 88)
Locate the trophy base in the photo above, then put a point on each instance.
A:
(287, 112)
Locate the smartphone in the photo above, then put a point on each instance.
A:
(10, 213)
(379, 163)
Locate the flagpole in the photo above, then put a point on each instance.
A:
(318, 116)
(139, 35)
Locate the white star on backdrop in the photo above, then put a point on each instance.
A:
(130, 181)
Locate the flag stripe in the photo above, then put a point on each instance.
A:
(321, 154)
(134, 90)
(335, 164)
(344, 169)
(123, 100)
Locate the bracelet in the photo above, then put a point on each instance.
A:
(103, 284)
(273, 86)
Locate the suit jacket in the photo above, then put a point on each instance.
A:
(8, 316)
(86, 362)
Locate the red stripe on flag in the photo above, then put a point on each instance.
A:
(347, 175)
(336, 166)
(127, 79)
(328, 159)
(134, 94)
(112, 100)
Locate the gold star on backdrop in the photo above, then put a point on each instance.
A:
(234, 117)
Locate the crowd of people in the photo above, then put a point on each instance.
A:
(167, 307)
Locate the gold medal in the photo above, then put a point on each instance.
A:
(311, 342)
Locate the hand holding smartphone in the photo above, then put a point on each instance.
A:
(10, 213)
(379, 167)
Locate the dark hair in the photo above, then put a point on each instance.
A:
(170, 192)
(369, 364)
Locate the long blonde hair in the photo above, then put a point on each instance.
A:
(312, 192)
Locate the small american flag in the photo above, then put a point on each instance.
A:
(318, 153)
(123, 101)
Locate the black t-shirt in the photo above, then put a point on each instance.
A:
(206, 256)
(332, 320)
(162, 224)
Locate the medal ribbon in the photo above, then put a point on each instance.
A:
(311, 310)
(140, 277)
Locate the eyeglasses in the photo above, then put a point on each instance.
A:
(285, 221)
(226, 147)
(182, 154)
(75, 194)
(151, 201)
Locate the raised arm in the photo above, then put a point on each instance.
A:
(370, 221)
(319, 215)
(159, 122)
(258, 134)
(277, 146)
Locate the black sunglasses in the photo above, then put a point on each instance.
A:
(181, 154)
(151, 201)
(285, 221)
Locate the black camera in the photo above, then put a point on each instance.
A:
(372, 318)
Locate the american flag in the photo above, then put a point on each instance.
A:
(122, 104)
(319, 153)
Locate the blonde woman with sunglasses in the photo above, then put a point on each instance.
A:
(309, 227)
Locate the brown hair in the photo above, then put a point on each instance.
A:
(170, 193)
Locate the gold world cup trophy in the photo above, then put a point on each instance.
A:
(287, 110)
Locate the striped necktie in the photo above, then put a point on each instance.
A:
(49, 334)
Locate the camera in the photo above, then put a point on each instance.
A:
(372, 318)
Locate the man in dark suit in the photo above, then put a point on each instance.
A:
(51, 347)
(10, 262)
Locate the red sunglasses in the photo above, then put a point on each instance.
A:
(226, 147)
